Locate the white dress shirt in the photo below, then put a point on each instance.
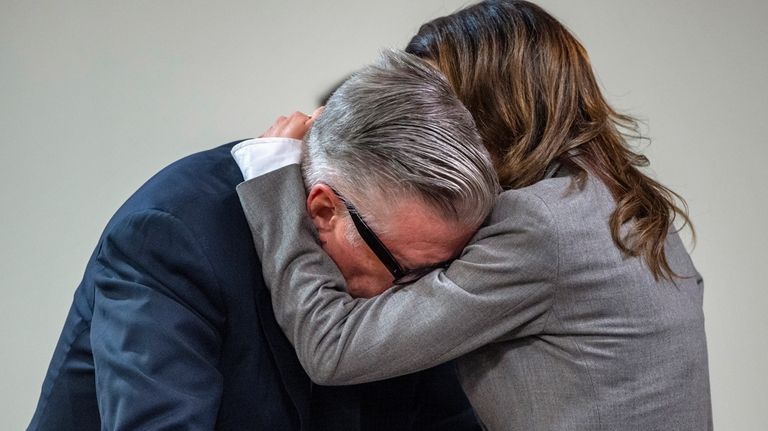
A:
(256, 157)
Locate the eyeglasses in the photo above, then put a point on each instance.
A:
(401, 275)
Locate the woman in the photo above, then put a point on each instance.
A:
(576, 306)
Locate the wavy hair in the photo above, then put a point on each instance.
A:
(529, 85)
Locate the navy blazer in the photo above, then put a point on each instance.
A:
(172, 328)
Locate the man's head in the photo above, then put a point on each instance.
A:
(397, 175)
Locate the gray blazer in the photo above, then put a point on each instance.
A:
(554, 329)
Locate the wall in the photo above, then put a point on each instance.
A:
(97, 96)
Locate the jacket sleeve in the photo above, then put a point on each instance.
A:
(155, 330)
(501, 287)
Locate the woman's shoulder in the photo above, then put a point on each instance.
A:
(566, 191)
(565, 202)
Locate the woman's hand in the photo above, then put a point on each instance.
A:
(294, 126)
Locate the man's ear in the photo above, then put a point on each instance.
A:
(323, 206)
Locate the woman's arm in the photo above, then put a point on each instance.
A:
(500, 288)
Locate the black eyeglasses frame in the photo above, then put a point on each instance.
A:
(400, 274)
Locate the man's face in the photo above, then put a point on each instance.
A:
(415, 237)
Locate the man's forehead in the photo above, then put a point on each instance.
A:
(417, 240)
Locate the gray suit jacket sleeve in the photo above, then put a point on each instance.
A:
(500, 288)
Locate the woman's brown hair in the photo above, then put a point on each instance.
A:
(529, 85)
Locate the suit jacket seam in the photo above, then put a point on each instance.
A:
(159, 211)
(552, 311)
(587, 369)
(554, 283)
(219, 290)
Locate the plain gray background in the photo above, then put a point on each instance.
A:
(99, 95)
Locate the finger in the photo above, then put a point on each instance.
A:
(280, 121)
(297, 127)
(299, 115)
(317, 112)
(280, 124)
(270, 132)
(294, 126)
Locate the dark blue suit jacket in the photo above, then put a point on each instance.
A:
(172, 328)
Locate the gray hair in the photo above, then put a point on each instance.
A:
(397, 130)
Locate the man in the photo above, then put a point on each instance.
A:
(172, 326)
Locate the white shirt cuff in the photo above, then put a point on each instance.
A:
(256, 157)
